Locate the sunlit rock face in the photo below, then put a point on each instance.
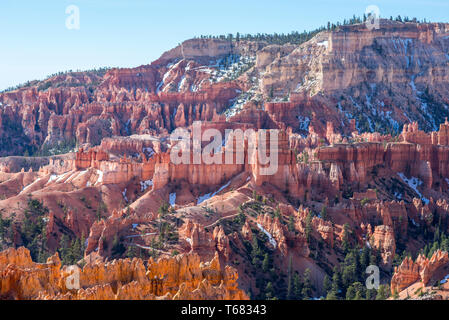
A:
(181, 278)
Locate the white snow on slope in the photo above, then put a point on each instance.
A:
(100, 177)
(145, 184)
(413, 183)
(415, 223)
(207, 196)
(53, 177)
(304, 123)
(63, 176)
(398, 195)
(172, 199)
(270, 237)
(148, 151)
(124, 195)
(324, 44)
(181, 83)
(32, 183)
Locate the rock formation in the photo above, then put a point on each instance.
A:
(422, 270)
(183, 277)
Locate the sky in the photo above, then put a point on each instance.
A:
(36, 42)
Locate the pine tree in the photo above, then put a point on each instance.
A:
(269, 291)
(324, 213)
(76, 250)
(370, 294)
(360, 291)
(364, 258)
(336, 282)
(131, 252)
(434, 248)
(444, 243)
(277, 213)
(307, 285)
(308, 229)
(290, 294)
(64, 250)
(117, 246)
(83, 243)
(327, 284)
(350, 293)
(346, 232)
(255, 247)
(291, 224)
(297, 287)
(383, 292)
(332, 295)
(266, 263)
(436, 235)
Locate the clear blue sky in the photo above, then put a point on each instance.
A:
(35, 41)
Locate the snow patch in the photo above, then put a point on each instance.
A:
(181, 83)
(148, 151)
(207, 196)
(415, 223)
(144, 185)
(100, 177)
(270, 237)
(172, 199)
(31, 184)
(62, 177)
(414, 183)
(304, 123)
(324, 44)
(53, 177)
(124, 195)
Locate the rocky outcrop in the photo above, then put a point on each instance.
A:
(422, 270)
(90, 159)
(419, 155)
(205, 243)
(383, 240)
(118, 107)
(325, 229)
(183, 277)
(333, 70)
(188, 274)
